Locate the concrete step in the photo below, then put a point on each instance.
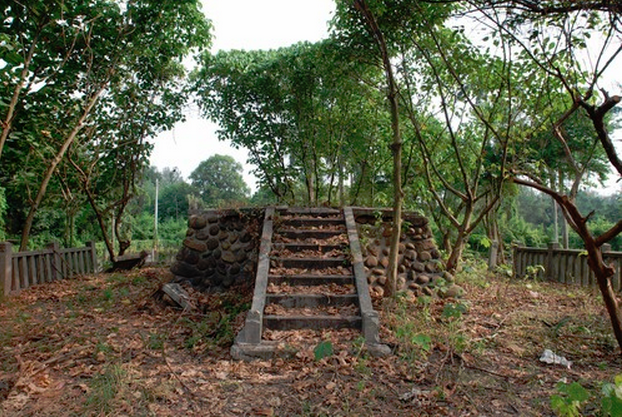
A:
(310, 211)
(311, 300)
(302, 234)
(311, 279)
(309, 223)
(311, 322)
(310, 263)
(301, 247)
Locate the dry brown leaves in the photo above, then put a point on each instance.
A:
(103, 345)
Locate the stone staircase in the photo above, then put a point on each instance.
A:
(310, 275)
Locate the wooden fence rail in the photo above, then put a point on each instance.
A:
(564, 265)
(20, 270)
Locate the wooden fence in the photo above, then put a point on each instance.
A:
(20, 270)
(564, 265)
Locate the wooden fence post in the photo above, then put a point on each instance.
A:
(549, 271)
(615, 279)
(56, 261)
(91, 244)
(515, 260)
(492, 256)
(6, 269)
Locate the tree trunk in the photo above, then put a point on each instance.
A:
(7, 123)
(396, 146)
(456, 252)
(564, 223)
(47, 176)
(342, 197)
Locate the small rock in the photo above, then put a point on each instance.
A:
(373, 250)
(371, 262)
(228, 257)
(454, 291)
(377, 271)
(197, 222)
(401, 283)
(382, 280)
(245, 237)
(447, 276)
(384, 262)
(418, 266)
(425, 256)
(411, 255)
(212, 243)
(241, 256)
(195, 244)
(431, 267)
(422, 279)
(202, 234)
(379, 291)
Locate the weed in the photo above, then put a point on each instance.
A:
(534, 272)
(107, 294)
(138, 280)
(454, 310)
(104, 389)
(570, 399)
(323, 350)
(156, 341)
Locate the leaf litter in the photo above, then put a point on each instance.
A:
(109, 345)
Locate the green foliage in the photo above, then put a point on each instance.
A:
(107, 79)
(611, 402)
(304, 115)
(570, 399)
(323, 350)
(454, 310)
(219, 181)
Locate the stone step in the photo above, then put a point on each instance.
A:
(308, 223)
(311, 300)
(302, 234)
(311, 322)
(301, 247)
(310, 263)
(310, 279)
(310, 211)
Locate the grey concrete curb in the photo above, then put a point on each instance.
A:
(371, 322)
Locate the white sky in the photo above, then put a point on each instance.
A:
(240, 24)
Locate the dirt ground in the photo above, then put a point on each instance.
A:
(110, 344)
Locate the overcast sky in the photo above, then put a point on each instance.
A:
(240, 24)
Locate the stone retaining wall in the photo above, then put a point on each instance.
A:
(220, 249)
(420, 268)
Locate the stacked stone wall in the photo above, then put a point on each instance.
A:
(420, 269)
(220, 249)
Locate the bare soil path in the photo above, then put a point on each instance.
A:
(109, 345)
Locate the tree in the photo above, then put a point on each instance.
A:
(219, 181)
(551, 35)
(110, 75)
